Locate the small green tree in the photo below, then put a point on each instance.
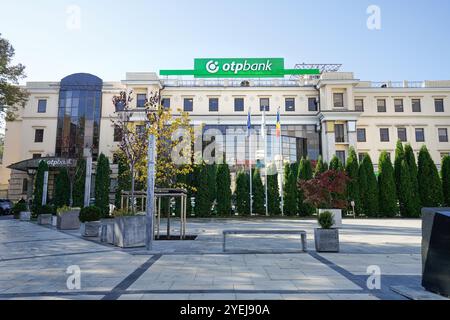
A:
(273, 194)
(39, 184)
(223, 185)
(123, 180)
(79, 184)
(102, 184)
(62, 189)
(351, 169)
(387, 193)
(202, 201)
(321, 167)
(407, 203)
(445, 175)
(368, 187)
(413, 173)
(258, 193)
(399, 156)
(430, 185)
(336, 164)
(305, 173)
(289, 190)
(212, 185)
(243, 193)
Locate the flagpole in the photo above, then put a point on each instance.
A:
(263, 130)
(281, 170)
(249, 135)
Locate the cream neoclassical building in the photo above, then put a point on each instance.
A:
(320, 115)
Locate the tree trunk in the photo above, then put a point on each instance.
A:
(132, 188)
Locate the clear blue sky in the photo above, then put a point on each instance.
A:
(137, 35)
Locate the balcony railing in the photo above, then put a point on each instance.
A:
(233, 83)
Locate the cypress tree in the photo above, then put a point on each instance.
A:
(102, 184)
(336, 164)
(273, 194)
(413, 173)
(445, 175)
(290, 187)
(304, 173)
(79, 184)
(351, 168)
(212, 188)
(258, 193)
(368, 187)
(387, 193)
(321, 167)
(430, 185)
(407, 204)
(223, 185)
(62, 189)
(243, 193)
(39, 183)
(399, 156)
(202, 200)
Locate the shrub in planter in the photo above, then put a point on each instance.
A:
(68, 218)
(90, 217)
(129, 229)
(44, 214)
(18, 208)
(326, 239)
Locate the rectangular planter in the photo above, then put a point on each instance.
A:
(107, 231)
(129, 232)
(44, 219)
(326, 240)
(68, 220)
(90, 229)
(54, 221)
(337, 216)
(25, 216)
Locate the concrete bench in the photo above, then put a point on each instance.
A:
(301, 233)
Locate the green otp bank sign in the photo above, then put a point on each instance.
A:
(239, 68)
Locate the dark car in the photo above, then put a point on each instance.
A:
(5, 206)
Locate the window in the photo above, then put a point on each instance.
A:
(188, 104)
(117, 134)
(36, 155)
(39, 135)
(361, 156)
(25, 186)
(361, 135)
(264, 104)
(443, 135)
(420, 135)
(398, 103)
(338, 100)
(416, 106)
(312, 104)
(341, 156)
(339, 133)
(165, 102)
(213, 104)
(381, 105)
(238, 104)
(42, 106)
(439, 105)
(384, 134)
(359, 105)
(290, 104)
(141, 100)
(401, 133)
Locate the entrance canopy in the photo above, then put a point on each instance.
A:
(52, 162)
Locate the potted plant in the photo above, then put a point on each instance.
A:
(327, 193)
(19, 207)
(68, 218)
(129, 229)
(326, 238)
(45, 214)
(90, 218)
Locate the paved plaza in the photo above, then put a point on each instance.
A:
(34, 261)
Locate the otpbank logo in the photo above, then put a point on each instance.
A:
(213, 66)
(239, 68)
